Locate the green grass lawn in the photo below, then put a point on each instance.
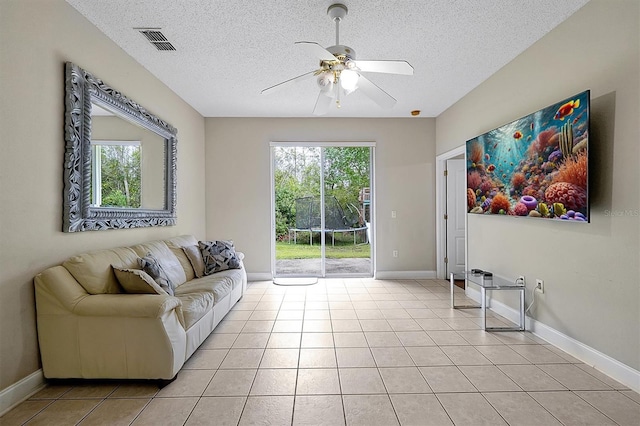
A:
(341, 250)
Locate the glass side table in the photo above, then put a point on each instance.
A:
(491, 283)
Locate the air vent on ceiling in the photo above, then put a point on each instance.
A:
(156, 38)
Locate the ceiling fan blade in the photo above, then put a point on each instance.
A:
(389, 67)
(378, 95)
(323, 103)
(287, 82)
(317, 50)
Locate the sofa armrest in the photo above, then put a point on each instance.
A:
(126, 305)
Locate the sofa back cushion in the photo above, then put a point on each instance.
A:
(194, 255)
(166, 258)
(176, 244)
(94, 272)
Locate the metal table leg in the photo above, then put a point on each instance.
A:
(483, 296)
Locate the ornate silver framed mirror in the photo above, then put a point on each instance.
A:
(120, 160)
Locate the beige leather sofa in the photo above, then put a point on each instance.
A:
(89, 328)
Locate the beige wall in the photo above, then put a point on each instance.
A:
(238, 183)
(592, 271)
(38, 36)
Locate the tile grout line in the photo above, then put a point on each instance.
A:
(246, 401)
(335, 352)
(295, 386)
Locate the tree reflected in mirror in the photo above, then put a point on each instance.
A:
(116, 174)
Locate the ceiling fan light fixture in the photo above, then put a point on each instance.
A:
(349, 80)
(340, 72)
(325, 81)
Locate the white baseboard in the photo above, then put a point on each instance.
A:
(380, 275)
(19, 391)
(259, 276)
(600, 361)
(405, 275)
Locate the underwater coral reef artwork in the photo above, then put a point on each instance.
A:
(537, 166)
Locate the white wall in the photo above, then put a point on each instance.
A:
(238, 183)
(38, 36)
(592, 271)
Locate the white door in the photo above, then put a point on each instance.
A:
(455, 214)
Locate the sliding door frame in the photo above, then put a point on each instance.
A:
(325, 144)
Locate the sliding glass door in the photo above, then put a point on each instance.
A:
(321, 214)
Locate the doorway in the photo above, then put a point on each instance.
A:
(451, 212)
(322, 210)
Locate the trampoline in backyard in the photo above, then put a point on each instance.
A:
(347, 238)
(336, 220)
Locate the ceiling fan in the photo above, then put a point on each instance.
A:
(341, 74)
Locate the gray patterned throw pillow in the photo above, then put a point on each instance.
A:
(218, 256)
(151, 266)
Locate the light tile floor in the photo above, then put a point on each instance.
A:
(354, 352)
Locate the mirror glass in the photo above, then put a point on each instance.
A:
(127, 163)
(120, 160)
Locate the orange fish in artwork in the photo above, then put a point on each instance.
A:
(494, 147)
(517, 135)
(491, 168)
(532, 125)
(487, 157)
(566, 109)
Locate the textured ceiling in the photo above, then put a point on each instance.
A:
(228, 51)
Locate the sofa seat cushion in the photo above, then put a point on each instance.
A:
(195, 306)
(219, 284)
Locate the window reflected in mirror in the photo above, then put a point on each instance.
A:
(115, 174)
(127, 163)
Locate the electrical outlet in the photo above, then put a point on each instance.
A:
(539, 286)
(395, 253)
(393, 214)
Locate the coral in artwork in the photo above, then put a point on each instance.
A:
(517, 180)
(570, 195)
(574, 170)
(545, 138)
(471, 198)
(477, 153)
(521, 210)
(486, 186)
(474, 180)
(500, 203)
